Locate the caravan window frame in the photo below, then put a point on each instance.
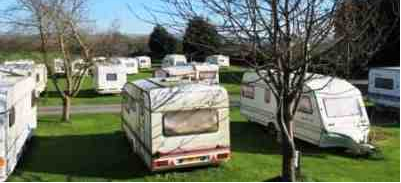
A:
(217, 123)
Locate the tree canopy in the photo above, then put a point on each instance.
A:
(161, 42)
(200, 39)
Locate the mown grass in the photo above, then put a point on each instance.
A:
(4, 56)
(230, 78)
(93, 148)
(87, 95)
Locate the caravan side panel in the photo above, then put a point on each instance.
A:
(136, 121)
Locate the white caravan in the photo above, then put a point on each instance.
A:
(220, 60)
(175, 124)
(130, 64)
(20, 62)
(384, 87)
(18, 119)
(174, 60)
(37, 71)
(109, 78)
(334, 116)
(207, 73)
(58, 66)
(144, 62)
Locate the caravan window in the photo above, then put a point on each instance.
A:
(33, 98)
(111, 77)
(384, 83)
(37, 78)
(190, 122)
(305, 105)
(268, 95)
(207, 75)
(248, 91)
(341, 107)
(11, 117)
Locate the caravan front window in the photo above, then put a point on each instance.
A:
(190, 122)
(341, 107)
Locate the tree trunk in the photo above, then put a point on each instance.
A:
(66, 109)
(288, 166)
(288, 146)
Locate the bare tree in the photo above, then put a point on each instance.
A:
(62, 21)
(288, 34)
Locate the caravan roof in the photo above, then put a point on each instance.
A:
(320, 84)
(179, 70)
(387, 68)
(176, 94)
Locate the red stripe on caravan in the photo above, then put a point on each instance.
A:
(192, 151)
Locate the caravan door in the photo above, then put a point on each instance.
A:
(307, 121)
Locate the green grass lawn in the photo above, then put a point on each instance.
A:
(87, 95)
(93, 148)
(229, 77)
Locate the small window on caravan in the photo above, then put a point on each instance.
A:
(305, 105)
(11, 117)
(248, 91)
(191, 122)
(268, 95)
(111, 77)
(33, 98)
(37, 78)
(384, 83)
(207, 75)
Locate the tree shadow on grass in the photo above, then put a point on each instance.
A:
(105, 156)
(252, 138)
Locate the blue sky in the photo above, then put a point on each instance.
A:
(106, 11)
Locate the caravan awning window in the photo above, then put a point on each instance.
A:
(190, 122)
(341, 107)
